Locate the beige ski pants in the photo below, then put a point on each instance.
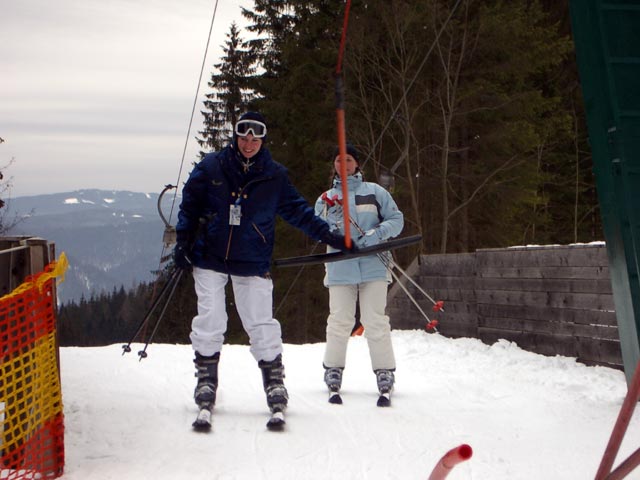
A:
(372, 297)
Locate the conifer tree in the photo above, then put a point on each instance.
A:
(231, 92)
(272, 23)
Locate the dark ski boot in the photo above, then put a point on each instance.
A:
(385, 379)
(277, 396)
(273, 382)
(333, 379)
(207, 374)
(205, 392)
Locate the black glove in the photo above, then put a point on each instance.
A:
(181, 256)
(336, 241)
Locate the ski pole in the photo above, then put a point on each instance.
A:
(390, 263)
(431, 324)
(143, 353)
(174, 273)
(404, 288)
(437, 306)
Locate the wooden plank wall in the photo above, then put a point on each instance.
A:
(553, 300)
(21, 256)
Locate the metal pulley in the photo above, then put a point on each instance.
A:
(169, 236)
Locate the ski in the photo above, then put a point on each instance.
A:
(202, 423)
(335, 398)
(337, 256)
(384, 400)
(276, 423)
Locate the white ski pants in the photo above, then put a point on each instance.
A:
(254, 302)
(377, 331)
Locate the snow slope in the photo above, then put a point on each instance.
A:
(525, 415)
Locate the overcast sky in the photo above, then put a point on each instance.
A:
(98, 94)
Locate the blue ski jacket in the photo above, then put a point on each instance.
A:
(377, 217)
(228, 216)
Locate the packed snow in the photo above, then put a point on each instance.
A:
(526, 416)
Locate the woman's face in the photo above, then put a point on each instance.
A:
(249, 145)
(352, 165)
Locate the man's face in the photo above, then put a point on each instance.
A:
(249, 145)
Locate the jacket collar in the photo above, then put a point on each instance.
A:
(259, 165)
(353, 181)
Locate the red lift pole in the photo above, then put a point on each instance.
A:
(342, 141)
(617, 435)
(450, 460)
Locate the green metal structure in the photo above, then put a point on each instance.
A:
(607, 42)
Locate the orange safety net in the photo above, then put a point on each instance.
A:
(31, 418)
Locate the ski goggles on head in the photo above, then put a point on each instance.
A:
(253, 127)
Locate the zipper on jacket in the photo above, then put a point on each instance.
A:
(255, 227)
(226, 255)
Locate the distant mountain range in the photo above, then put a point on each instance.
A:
(111, 238)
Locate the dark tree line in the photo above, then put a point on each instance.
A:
(115, 317)
(474, 118)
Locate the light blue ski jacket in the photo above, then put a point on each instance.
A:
(376, 214)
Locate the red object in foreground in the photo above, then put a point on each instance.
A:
(617, 435)
(342, 138)
(358, 331)
(439, 305)
(450, 460)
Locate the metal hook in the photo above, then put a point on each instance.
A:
(169, 236)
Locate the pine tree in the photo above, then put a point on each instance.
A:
(231, 92)
(272, 22)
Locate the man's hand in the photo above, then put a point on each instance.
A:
(181, 257)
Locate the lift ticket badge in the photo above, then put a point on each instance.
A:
(234, 214)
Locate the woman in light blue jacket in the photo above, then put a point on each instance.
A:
(374, 218)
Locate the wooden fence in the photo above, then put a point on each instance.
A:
(21, 256)
(553, 300)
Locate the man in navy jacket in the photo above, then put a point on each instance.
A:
(226, 229)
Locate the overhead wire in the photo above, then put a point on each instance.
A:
(186, 140)
(193, 108)
(184, 152)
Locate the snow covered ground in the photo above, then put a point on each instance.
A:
(526, 416)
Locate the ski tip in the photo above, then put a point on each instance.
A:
(275, 427)
(201, 427)
(335, 398)
(202, 422)
(276, 423)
